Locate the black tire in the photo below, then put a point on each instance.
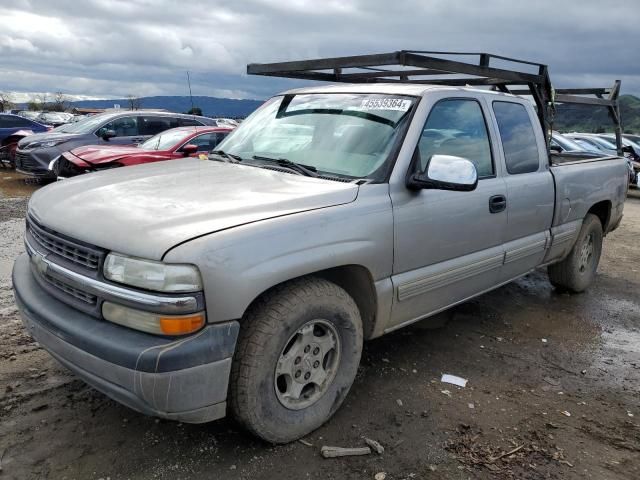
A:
(267, 329)
(573, 273)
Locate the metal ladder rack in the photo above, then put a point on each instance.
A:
(425, 67)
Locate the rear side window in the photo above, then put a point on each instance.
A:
(188, 122)
(10, 122)
(457, 127)
(518, 137)
(153, 125)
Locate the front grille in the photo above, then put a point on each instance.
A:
(52, 242)
(25, 162)
(74, 292)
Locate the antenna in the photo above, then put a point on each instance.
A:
(190, 96)
(195, 129)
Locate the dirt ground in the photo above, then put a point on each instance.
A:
(553, 378)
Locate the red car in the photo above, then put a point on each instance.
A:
(168, 145)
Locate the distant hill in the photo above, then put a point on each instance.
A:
(582, 118)
(211, 106)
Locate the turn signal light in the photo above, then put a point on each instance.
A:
(159, 324)
(181, 325)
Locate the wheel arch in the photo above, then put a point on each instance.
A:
(602, 210)
(356, 280)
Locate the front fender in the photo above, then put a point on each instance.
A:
(239, 264)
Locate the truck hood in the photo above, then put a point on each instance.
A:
(97, 154)
(145, 210)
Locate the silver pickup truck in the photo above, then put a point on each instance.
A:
(332, 215)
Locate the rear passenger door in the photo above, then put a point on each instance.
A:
(448, 244)
(530, 190)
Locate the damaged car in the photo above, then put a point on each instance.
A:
(36, 153)
(169, 145)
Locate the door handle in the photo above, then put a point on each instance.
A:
(497, 203)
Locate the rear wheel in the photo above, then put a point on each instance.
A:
(297, 356)
(576, 272)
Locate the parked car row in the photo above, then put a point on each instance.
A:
(113, 137)
(54, 119)
(600, 144)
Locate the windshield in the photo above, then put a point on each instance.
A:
(625, 141)
(603, 142)
(164, 140)
(566, 143)
(349, 135)
(86, 125)
(587, 146)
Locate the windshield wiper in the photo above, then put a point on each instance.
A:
(306, 170)
(227, 157)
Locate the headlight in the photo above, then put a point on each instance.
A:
(153, 322)
(52, 163)
(49, 143)
(150, 275)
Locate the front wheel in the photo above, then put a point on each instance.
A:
(576, 272)
(297, 356)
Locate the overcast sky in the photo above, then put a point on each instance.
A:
(111, 48)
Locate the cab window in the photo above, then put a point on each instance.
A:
(518, 137)
(457, 127)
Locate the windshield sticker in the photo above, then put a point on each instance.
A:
(397, 104)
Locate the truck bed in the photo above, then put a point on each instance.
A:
(577, 157)
(583, 180)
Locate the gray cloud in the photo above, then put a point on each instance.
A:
(117, 47)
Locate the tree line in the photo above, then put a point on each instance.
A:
(58, 102)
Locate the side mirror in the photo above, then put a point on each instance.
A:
(555, 148)
(446, 172)
(189, 149)
(107, 134)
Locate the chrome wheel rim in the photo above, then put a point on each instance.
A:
(307, 364)
(586, 253)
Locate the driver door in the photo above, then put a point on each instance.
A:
(448, 244)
